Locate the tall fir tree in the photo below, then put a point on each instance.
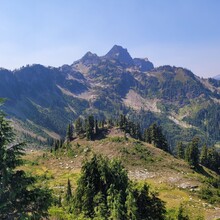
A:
(105, 192)
(192, 153)
(19, 199)
(147, 135)
(154, 135)
(181, 215)
(79, 127)
(180, 150)
(204, 155)
(90, 127)
(213, 160)
(68, 191)
(69, 133)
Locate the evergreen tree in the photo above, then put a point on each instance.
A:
(181, 215)
(100, 207)
(122, 122)
(79, 127)
(19, 199)
(105, 192)
(147, 135)
(69, 191)
(204, 156)
(180, 150)
(148, 206)
(131, 205)
(69, 133)
(137, 131)
(192, 153)
(154, 135)
(90, 127)
(213, 159)
(115, 204)
(96, 127)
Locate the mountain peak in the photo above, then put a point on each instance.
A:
(89, 55)
(119, 53)
(90, 58)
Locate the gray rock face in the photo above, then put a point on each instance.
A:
(120, 54)
(90, 58)
(143, 64)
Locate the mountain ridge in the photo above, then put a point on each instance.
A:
(107, 86)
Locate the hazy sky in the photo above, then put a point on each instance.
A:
(54, 32)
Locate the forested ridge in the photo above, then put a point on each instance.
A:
(44, 99)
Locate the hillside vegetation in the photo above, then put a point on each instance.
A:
(175, 181)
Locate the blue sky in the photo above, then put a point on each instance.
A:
(54, 32)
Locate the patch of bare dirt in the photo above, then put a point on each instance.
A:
(135, 101)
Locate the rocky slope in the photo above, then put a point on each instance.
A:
(42, 100)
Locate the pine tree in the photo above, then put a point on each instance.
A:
(90, 127)
(101, 211)
(131, 205)
(123, 122)
(69, 191)
(18, 196)
(204, 156)
(137, 131)
(96, 129)
(213, 159)
(69, 133)
(148, 206)
(192, 153)
(147, 136)
(181, 215)
(154, 135)
(180, 150)
(79, 127)
(105, 192)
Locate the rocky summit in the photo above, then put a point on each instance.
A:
(41, 100)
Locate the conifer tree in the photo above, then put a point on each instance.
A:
(147, 136)
(96, 127)
(19, 199)
(105, 192)
(69, 191)
(154, 135)
(69, 133)
(131, 205)
(213, 159)
(192, 153)
(122, 122)
(90, 127)
(204, 156)
(180, 150)
(181, 215)
(79, 127)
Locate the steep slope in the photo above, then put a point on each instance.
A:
(46, 99)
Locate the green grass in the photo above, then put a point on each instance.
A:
(51, 171)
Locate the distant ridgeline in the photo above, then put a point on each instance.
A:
(41, 100)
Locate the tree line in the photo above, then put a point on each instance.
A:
(90, 128)
(207, 156)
